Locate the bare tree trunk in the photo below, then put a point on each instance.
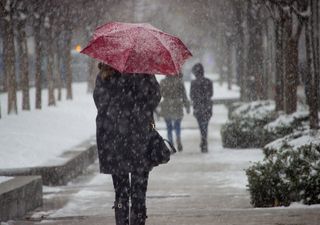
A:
(9, 62)
(291, 63)
(255, 53)
(311, 43)
(229, 62)
(68, 64)
(50, 64)
(291, 77)
(38, 55)
(24, 65)
(92, 75)
(57, 70)
(242, 51)
(240, 54)
(267, 49)
(57, 33)
(279, 96)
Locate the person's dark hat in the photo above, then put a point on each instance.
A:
(198, 69)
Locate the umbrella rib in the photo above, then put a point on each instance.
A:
(125, 64)
(165, 48)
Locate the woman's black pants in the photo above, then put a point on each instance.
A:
(134, 188)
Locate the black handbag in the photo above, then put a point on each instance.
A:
(159, 149)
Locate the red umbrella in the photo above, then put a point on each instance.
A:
(137, 48)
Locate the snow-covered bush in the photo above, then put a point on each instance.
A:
(286, 124)
(245, 127)
(290, 171)
(258, 110)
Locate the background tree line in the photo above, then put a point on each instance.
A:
(51, 25)
(274, 45)
(268, 47)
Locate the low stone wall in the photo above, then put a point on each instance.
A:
(74, 163)
(19, 196)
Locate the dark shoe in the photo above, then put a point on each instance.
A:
(121, 210)
(204, 149)
(138, 216)
(204, 146)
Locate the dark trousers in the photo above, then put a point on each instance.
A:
(136, 189)
(203, 126)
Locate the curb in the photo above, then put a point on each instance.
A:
(74, 162)
(19, 196)
(225, 101)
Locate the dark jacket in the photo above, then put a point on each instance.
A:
(174, 97)
(201, 92)
(125, 104)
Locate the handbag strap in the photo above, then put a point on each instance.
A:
(173, 149)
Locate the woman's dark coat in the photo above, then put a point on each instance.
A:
(125, 104)
(201, 92)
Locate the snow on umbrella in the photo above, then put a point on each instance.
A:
(137, 48)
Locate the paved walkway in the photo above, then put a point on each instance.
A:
(193, 189)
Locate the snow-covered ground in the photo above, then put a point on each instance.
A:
(39, 137)
(4, 179)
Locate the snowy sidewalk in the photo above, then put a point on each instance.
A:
(194, 188)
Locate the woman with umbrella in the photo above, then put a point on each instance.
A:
(125, 103)
(126, 94)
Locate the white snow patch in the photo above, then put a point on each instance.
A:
(296, 140)
(4, 179)
(286, 120)
(299, 205)
(34, 138)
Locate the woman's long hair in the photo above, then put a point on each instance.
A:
(105, 70)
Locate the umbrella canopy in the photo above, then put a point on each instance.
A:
(137, 48)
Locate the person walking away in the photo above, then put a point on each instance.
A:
(125, 105)
(175, 98)
(201, 92)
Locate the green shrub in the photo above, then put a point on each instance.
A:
(267, 186)
(290, 171)
(245, 133)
